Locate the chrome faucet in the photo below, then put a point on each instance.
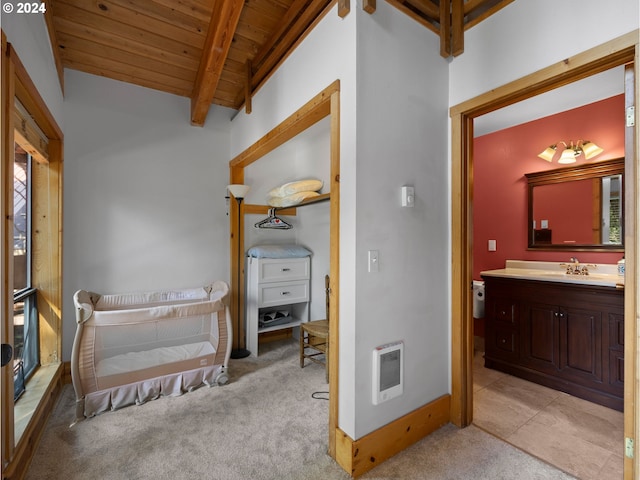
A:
(574, 268)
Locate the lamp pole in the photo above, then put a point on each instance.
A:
(241, 351)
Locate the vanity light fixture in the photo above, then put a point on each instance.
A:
(571, 151)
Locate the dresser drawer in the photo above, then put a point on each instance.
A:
(505, 310)
(283, 269)
(282, 293)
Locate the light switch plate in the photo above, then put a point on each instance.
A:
(491, 246)
(373, 261)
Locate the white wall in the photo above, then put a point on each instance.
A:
(29, 37)
(400, 117)
(144, 205)
(401, 140)
(523, 38)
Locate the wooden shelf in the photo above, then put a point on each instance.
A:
(264, 209)
(273, 328)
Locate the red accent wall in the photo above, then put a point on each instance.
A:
(501, 159)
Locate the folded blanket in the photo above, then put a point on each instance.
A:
(307, 185)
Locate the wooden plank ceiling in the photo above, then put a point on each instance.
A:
(216, 51)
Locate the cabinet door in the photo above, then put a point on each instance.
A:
(501, 323)
(616, 351)
(540, 337)
(581, 344)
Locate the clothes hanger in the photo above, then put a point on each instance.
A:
(273, 222)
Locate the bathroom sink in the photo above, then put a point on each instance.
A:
(553, 272)
(587, 278)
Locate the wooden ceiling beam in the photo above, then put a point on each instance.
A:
(471, 5)
(295, 31)
(445, 28)
(279, 31)
(344, 7)
(457, 27)
(408, 7)
(477, 10)
(369, 6)
(285, 44)
(428, 7)
(247, 89)
(224, 21)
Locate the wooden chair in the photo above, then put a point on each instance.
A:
(314, 336)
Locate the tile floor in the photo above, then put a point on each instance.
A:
(576, 436)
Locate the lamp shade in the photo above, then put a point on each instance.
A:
(568, 156)
(237, 190)
(590, 149)
(548, 153)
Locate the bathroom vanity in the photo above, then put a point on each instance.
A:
(555, 329)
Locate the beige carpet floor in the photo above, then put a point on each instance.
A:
(263, 425)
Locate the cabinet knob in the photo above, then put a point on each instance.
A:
(285, 293)
(285, 269)
(504, 340)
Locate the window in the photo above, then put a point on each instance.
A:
(25, 314)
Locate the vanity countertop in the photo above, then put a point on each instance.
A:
(602, 274)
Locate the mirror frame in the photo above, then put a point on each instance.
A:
(583, 171)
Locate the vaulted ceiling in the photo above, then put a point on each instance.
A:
(217, 51)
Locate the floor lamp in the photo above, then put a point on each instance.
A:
(238, 192)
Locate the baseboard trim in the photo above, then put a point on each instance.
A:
(66, 373)
(357, 457)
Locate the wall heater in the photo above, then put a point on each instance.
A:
(388, 367)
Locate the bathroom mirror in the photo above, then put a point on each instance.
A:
(577, 208)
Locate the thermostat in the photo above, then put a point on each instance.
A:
(408, 198)
(388, 368)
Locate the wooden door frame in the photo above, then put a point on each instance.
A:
(620, 51)
(326, 103)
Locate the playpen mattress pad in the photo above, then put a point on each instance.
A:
(133, 361)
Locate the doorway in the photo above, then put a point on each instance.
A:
(620, 51)
(587, 437)
(324, 104)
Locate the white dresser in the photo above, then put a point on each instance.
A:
(276, 285)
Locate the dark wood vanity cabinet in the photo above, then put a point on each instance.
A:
(566, 336)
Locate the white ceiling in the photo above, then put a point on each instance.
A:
(592, 89)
